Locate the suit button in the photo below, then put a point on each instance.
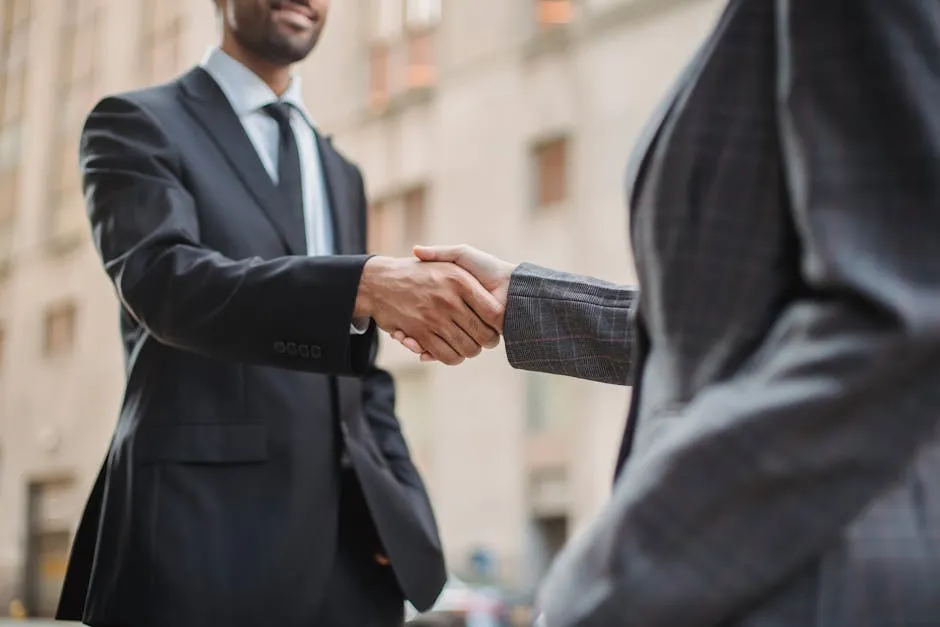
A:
(304, 350)
(315, 351)
(280, 348)
(291, 348)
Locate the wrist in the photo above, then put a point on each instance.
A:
(370, 279)
(504, 275)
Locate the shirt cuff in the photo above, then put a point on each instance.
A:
(359, 326)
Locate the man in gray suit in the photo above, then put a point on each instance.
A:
(781, 463)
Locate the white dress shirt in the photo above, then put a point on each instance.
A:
(248, 95)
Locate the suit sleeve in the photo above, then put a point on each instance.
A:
(290, 312)
(570, 325)
(763, 472)
(378, 404)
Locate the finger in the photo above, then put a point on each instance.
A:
(427, 357)
(459, 339)
(437, 253)
(412, 344)
(408, 342)
(469, 347)
(441, 350)
(478, 330)
(487, 308)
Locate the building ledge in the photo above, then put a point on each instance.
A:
(550, 40)
(616, 15)
(395, 106)
(594, 22)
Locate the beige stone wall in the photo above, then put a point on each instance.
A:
(499, 89)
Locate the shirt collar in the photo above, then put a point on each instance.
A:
(245, 91)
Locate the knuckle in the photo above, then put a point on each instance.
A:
(455, 280)
(471, 324)
(470, 347)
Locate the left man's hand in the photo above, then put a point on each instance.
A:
(492, 272)
(442, 306)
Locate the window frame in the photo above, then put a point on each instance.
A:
(403, 49)
(540, 198)
(68, 310)
(540, 9)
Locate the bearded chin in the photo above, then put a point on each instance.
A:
(287, 51)
(281, 50)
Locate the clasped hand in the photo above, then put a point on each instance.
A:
(445, 305)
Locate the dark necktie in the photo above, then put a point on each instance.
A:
(288, 165)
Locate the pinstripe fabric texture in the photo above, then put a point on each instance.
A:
(786, 226)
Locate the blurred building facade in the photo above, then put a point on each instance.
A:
(506, 125)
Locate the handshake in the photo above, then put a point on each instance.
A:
(445, 305)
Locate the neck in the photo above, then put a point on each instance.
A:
(277, 77)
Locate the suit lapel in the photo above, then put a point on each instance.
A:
(211, 108)
(343, 211)
(636, 172)
(649, 138)
(647, 141)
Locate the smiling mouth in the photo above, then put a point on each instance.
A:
(294, 10)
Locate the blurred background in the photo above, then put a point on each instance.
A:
(503, 124)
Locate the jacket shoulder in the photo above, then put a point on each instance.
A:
(158, 101)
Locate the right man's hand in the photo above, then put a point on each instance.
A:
(440, 305)
(493, 273)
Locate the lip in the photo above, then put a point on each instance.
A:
(294, 7)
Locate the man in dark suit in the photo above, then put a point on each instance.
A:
(781, 463)
(258, 474)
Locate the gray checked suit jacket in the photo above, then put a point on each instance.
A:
(781, 465)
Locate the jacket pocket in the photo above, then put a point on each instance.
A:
(201, 443)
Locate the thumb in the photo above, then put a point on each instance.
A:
(437, 253)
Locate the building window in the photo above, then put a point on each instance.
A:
(420, 60)
(402, 48)
(162, 31)
(397, 223)
(59, 329)
(50, 511)
(553, 533)
(379, 86)
(550, 13)
(550, 166)
(77, 90)
(14, 37)
(547, 534)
